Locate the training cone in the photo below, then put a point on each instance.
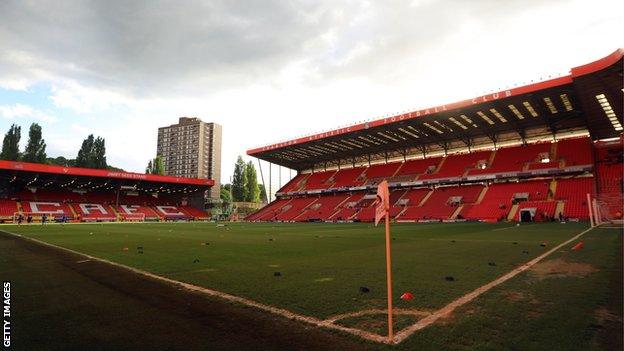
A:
(578, 246)
(407, 296)
(124, 249)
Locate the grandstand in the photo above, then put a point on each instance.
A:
(529, 153)
(91, 195)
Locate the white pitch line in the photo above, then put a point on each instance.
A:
(397, 311)
(329, 323)
(448, 309)
(190, 287)
(482, 241)
(512, 227)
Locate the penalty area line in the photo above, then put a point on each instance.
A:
(512, 227)
(328, 323)
(448, 309)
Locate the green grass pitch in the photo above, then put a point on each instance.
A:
(322, 266)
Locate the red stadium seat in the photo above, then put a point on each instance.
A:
(514, 159)
(348, 177)
(294, 208)
(269, 212)
(456, 165)
(55, 209)
(573, 192)
(417, 167)
(348, 208)
(194, 212)
(575, 151)
(129, 211)
(323, 208)
(438, 205)
(294, 184)
(544, 209)
(318, 180)
(8, 208)
(495, 205)
(376, 173)
(497, 201)
(94, 212)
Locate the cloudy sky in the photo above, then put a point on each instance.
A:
(272, 70)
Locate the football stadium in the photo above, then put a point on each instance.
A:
(505, 231)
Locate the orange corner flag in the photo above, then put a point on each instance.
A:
(383, 202)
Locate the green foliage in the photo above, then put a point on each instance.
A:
(61, 161)
(85, 154)
(36, 148)
(159, 166)
(239, 191)
(263, 194)
(155, 166)
(245, 182)
(226, 195)
(99, 153)
(92, 153)
(10, 144)
(252, 192)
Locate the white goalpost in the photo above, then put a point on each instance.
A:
(606, 209)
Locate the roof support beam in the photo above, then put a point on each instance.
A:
(467, 140)
(543, 111)
(493, 137)
(423, 150)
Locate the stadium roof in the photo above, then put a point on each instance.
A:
(588, 99)
(40, 175)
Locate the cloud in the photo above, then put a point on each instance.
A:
(114, 52)
(271, 70)
(17, 111)
(83, 99)
(149, 47)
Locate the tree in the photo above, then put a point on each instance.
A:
(99, 153)
(36, 147)
(60, 161)
(85, 154)
(239, 181)
(10, 144)
(263, 194)
(155, 166)
(159, 166)
(252, 193)
(226, 195)
(92, 153)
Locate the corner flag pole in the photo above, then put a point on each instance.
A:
(383, 211)
(389, 275)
